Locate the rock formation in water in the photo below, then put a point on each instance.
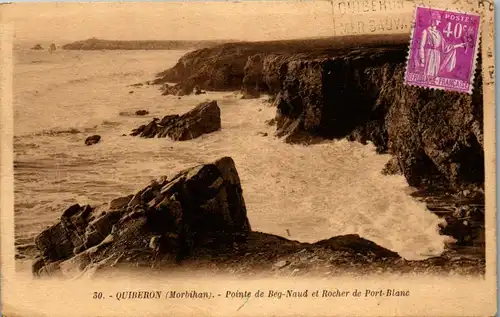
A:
(141, 112)
(197, 219)
(204, 118)
(93, 139)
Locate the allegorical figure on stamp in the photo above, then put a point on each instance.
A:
(434, 54)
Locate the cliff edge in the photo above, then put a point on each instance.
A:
(352, 87)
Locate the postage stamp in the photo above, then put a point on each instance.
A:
(443, 50)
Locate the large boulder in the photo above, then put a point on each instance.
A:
(204, 118)
(199, 207)
(141, 112)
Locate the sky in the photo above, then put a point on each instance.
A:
(65, 22)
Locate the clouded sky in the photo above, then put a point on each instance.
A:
(191, 21)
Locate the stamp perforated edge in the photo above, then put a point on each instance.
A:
(474, 60)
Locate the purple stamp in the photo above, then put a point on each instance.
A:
(443, 50)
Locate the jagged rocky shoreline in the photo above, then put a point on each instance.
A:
(353, 87)
(322, 89)
(196, 219)
(202, 119)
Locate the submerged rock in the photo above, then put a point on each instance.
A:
(92, 139)
(204, 118)
(37, 47)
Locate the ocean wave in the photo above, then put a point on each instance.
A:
(108, 123)
(64, 131)
(57, 131)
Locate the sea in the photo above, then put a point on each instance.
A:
(301, 192)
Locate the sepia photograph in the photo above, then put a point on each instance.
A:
(249, 140)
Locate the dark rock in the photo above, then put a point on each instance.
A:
(37, 47)
(69, 235)
(262, 133)
(131, 92)
(141, 112)
(253, 81)
(197, 90)
(54, 243)
(150, 130)
(100, 228)
(429, 132)
(205, 206)
(361, 245)
(71, 211)
(204, 118)
(119, 203)
(176, 90)
(255, 65)
(92, 139)
(169, 120)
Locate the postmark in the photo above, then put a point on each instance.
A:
(443, 50)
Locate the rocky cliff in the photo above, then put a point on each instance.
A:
(204, 118)
(196, 219)
(352, 87)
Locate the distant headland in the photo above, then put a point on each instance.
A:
(100, 44)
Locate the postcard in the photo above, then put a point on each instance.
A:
(248, 158)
